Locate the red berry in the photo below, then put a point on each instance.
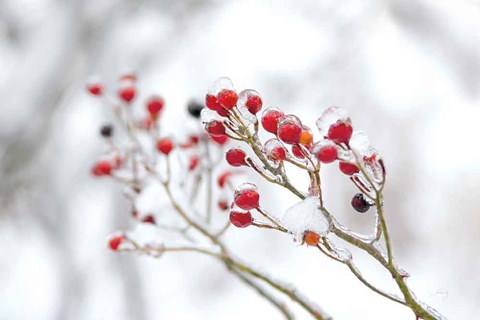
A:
(195, 139)
(270, 119)
(211, 102)
(193, 163)
(235, 157)
(360, 203)
(149, 219)
(254, 104)
(221, 140)
(327, 153)
(274, 150)
(227, 98)
(222, 179)
(127, 93)
(215, 128)
(241, 219)
(155, 105)
(102, 168)
(290, 133)
(223, 205)
(348, 168)
(247, 197)
(297, 152)
(95, 89)
(165, 146)
(340, 132)
(115, 241)
(311, 238)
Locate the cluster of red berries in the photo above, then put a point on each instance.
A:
(229, 111)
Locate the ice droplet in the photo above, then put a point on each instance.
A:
(305, 216)
(223, 83)
(274, 150)
(330, 116)
(208, 115)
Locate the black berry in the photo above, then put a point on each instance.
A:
(360, 203)
(106, 131)
(194, 108)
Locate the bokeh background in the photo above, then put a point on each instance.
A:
(407, 70)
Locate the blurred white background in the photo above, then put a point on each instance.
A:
(407, 70)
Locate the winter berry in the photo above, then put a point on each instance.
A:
(115, 241)
(306, 138)
(360, 203)
(297, 151)
(221, 140)
(211, 102)
(223, 205)
(270, 119)
(325, 151)
(193, 163)
(348, 168)
(149, 219)
(311, 238)
(235, 157)
(274, 150)
(223, 178)
(340, 132)
(154, 105)
(102, 168)
(289, 129)
(95, 88)
(215, 128)
(251, 100)
(195, 108)
(241, 219)
(227, 98)
(246, 196)
(127, 92)
(165, 146)
(106, 131)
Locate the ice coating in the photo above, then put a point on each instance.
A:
(289, 119)
(320, 144)
(330, 116)
(223, 83)
(369, 155)
(242, 105)
(208, 115)
(244, 187)
(305, 216)
(274, 149)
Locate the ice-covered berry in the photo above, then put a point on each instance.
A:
(297, 151)
(246, 196)
(227, 98)
(347, 168)
(165, 146)
(306, 138)
(241, 219)
(325, 151)
(289, 129)
(127, 91)
(360, 203)
(251, 100)
(115, 241)
(235, 157)
(340, 132)
(102, 168)
(274, 150)
(223, 178)
(95, 88)
(270, 119)
(223, 204)
(149, 219)
(215, 128)
(154, 105)
(311, 238)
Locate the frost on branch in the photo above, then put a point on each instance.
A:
(305, 216)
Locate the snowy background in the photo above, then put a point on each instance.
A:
(407, 70)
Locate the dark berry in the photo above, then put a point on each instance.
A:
(106, 131)
(360, 203)
(195, 108)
